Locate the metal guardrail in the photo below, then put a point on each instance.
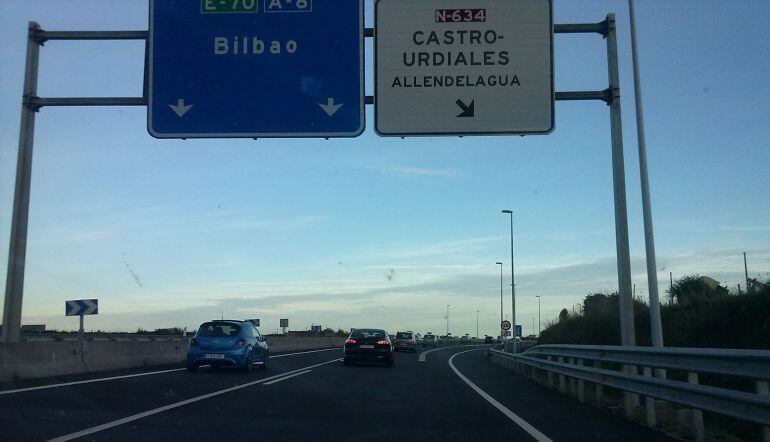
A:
(567, 361)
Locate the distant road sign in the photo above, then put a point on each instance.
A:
(505, 325)
(284, 322)
(463, 67)
(256, 68)
(506, 333)
(81, 307)
(518, 330)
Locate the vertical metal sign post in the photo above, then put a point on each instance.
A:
(627, 332)
(81, 308)
(17, 250)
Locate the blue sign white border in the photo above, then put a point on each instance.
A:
(255, 135)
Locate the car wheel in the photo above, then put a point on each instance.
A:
(248, 364)
(192, 368)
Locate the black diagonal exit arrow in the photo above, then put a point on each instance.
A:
(468, 110)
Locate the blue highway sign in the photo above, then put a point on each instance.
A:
(81, 307)
(256, 68)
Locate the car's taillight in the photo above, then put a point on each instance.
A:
(350, 341)
(240, 343)
(383, 342)
(194, 342)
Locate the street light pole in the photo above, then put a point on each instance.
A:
(513, 286)
(656, 328)
(746, 272)
(447, 321)
(502, 335)
(538, 315)
(477, 324)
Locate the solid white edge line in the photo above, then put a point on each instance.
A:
(112, 378)
(286, 377)
(540, 437)
(424, 354)
(88, 381)
(144, 414)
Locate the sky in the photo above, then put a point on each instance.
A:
(385, 232)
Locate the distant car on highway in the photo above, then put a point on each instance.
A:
(430, 341)
(368, 345)
(226, 343)
(488, 340)
(405, 341)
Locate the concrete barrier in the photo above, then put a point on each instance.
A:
(288, 343)
(46, 359)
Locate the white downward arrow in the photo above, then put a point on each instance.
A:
(330, 108)
(180, 107)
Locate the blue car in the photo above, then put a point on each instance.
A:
(227, 343)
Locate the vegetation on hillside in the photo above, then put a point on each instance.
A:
(699, 313)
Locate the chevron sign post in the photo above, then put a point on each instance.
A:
(82, 307)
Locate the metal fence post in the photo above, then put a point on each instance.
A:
(550, 374)
(580, 385)
(17, 249)
(599, 388)
(649, 403)
(572, 389)
(762, 388)
(562, 381)
(697, 415)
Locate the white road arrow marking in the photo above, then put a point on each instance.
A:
(330, 108)
(180, 109)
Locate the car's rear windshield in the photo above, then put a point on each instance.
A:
(363, 333)
(403, 335)
(219, 329)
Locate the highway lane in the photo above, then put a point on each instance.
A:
(44, 414)
(319, 400)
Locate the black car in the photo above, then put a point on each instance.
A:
(488, 340)
(368, 345)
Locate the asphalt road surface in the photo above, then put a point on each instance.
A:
(454, 395)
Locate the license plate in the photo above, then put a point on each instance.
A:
(214, 356)
(367, 346)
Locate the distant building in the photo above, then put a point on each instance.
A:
(33, 328)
